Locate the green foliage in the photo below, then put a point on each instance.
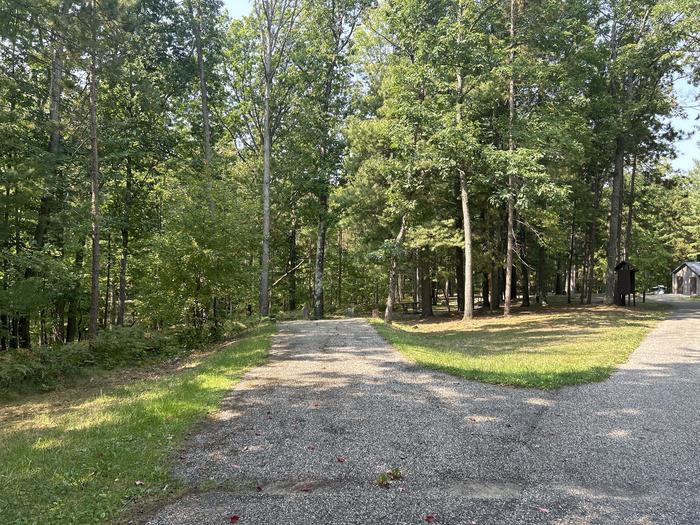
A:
(376, 109)
(47, 366)
(383, 480)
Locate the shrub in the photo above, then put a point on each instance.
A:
(47, 365)
(44, 367)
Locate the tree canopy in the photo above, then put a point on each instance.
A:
(163, 164)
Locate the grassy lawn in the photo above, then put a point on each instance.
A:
(544, 348)
(82, 454)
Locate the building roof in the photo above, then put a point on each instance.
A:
(693, 266)
(623, 264)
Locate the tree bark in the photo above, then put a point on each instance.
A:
(486, 301)
(292, 283)
(464, 197)
(426, 287)
(614, 221)
(320, 257)
(541, 287)
(7, 244)
(467, 228)
(204, 97)
(617, 183)
(389, 310)
(121, 311)
(95, 189)
(73, 303)
(525, 270)
(276, 21)
(511, 179)
(570, 259)
(630, 210)
(265, 260)
(108, 287)
(340, 267)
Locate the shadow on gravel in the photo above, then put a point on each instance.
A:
(304, 438)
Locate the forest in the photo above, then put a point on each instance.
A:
(166, 166)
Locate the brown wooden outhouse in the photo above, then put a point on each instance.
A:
(624, 283)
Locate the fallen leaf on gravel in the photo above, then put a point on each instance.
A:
(235, 518)
(304, 487)
(430, 518)
(258, 488)
(472, 419)
(342, 459)
(311, 447)
(544, 510)
(236, 466)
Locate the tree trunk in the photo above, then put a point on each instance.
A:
(485, 302)
(459, 272)
(389, 310)
(426, 287)
(570, 260)
(121, 311)
(73, 302)
(525, 270)
(617, 183)
(541, 287)
(340, 267)
(114, 302)
(197, 30)
(591, 245)
(614, 222)
(558, 290)
(7, 245)
(320, 258)
(265, 259)
(468, 281)
(467, 228)
(511, 179)
(416, 284)
(630, 211)
(292, 283)
(108, 287)
(95, 189)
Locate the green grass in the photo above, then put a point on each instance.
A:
(82, 455)
(546, 348)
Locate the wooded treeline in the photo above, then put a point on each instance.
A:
(165, 165)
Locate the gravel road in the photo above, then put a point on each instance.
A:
(302, 439)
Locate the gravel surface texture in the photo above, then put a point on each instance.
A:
(302, 440)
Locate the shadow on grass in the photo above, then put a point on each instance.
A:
(547, 349)
(84, 462)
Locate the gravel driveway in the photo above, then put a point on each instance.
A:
(302, 440)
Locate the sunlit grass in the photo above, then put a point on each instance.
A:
(545, 348)
(81, 460)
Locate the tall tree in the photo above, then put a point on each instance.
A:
(94, 178)
(276, 19)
